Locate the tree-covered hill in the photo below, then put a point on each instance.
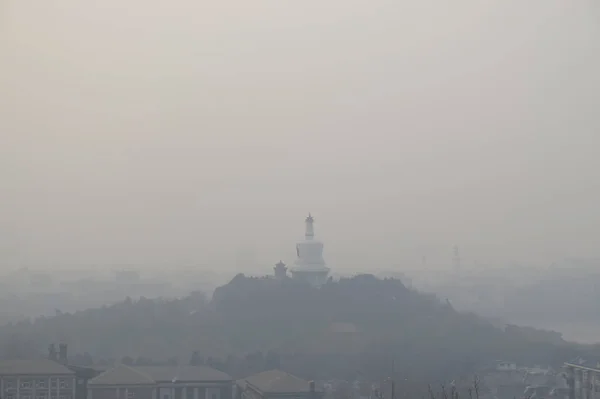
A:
(355, 325)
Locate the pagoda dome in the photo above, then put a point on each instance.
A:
(310, 264)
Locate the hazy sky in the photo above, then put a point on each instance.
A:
(199, 132)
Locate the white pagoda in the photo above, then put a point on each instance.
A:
(310, 265)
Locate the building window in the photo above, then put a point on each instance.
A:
(62, 384)
(53, 383)
(25, 385)
(41, 396)
(165, 396)
(25, 397)
(10, 396)
(9, 384)
(130, 395)
(41, 384)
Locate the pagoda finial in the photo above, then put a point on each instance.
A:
(309, 234)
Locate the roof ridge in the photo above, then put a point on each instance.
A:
(118, 370)
(37, 366)
(292, 375)
(139, 372)
(286, 373)
(277, 380)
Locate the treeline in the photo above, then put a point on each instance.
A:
(349, 328)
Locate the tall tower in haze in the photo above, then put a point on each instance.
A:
(310, 265)
(456, 259)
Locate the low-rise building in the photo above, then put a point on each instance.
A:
(36, 379)
(502, 365)
(276, 384)
(160, 382)
(583, 378)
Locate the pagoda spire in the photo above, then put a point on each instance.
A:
(456, 258)
(310, 231)
(310, 265)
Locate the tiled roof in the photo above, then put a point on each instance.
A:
(34, 366)
(121, 375)
(184, 373)
(276, 381)
(138, 375)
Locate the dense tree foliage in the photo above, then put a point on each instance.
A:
(350, 328)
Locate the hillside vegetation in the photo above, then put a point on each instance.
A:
(351, 327)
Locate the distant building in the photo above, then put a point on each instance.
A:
(456, 258)
(504, 380)
(158, 382)
(280, 271)
(502, 365)
(127, 276)
(310, 265)
(36, 379)
(276, 384)
(41, 280)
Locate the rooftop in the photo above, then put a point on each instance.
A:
(184, 373)
(33, 366)
(142, 375)
(276, 381)
(590, 363)
(121, 375)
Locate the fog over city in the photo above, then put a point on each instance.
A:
(191, 132)
(299, 199)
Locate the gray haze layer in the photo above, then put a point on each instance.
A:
(198, 133)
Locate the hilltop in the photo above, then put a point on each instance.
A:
(354, 325)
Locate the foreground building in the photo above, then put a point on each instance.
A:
(158, 382)
(276, 384)
(583, 378)
(310, 265)
(36, 379)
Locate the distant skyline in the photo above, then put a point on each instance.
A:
(186, 132)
